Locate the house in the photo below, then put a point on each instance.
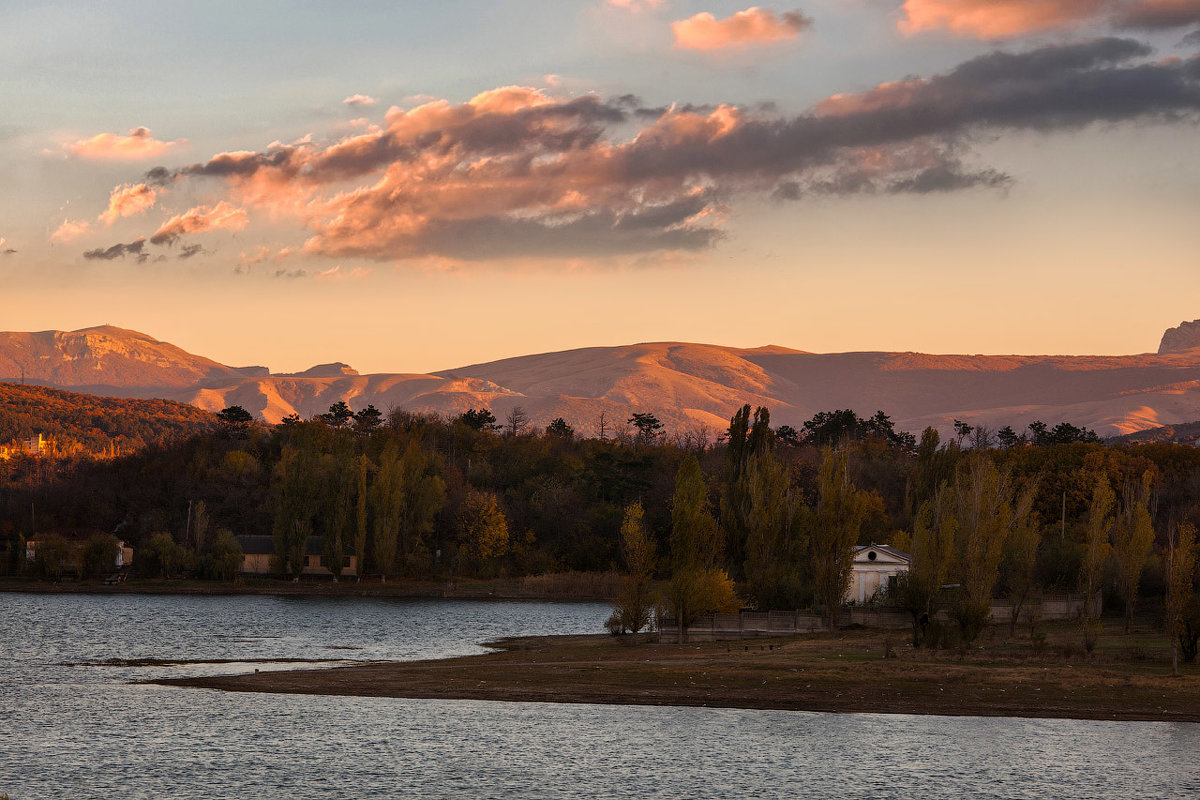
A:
(77, 539)
(259, 551)
(875, 566)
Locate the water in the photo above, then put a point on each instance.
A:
(88, 732)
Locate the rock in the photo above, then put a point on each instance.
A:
(335, 370)
(1181, 339)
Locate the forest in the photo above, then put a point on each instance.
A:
(759, 516)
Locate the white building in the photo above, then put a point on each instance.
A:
(875, 565)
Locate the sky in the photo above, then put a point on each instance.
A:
(408, 187)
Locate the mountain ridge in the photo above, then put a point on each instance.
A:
(688, 385)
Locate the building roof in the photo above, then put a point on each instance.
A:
(890, 554)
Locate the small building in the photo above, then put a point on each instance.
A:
(875, 567)
(77, 539)
(258, 553)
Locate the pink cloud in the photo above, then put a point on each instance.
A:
(127, 200)
(70, 230)
(991, 19)
(635, 5)
(201, 219)
(359, 100)
(138, 144)
(754, 26)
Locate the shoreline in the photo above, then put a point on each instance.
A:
(845, 673)
(400, 589)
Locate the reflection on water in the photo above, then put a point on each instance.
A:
(87, 732)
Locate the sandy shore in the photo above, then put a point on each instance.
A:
(844, 673)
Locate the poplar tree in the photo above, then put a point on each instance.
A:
(987, 510)
(834, 527)
(386, 503)
(635, 600)
(697, 586)
(1181, 568)
(360, 518)
(1132, 538)
(1095, 552)
(296, 492)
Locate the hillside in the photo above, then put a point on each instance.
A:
(94, 423)
(107, 359)
(688, 386)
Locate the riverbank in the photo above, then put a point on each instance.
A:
(560, 587)
(852, 671)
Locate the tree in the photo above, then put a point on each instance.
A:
(483, 529)
(160, 556)
(787, 435)
(649, 429)
(1133, 537)
(422, 496)
(961, 431)
(339, 415)
(481, 420)
(339, 481)
(367, 420)
(296, 491)
(602, 426)
(223, 559)
(1181, 568)
(99, 555)
(517, 421)
(635, 600)
(52, 557)
(833, 531)
(1020, 566)
(1007, 438)
(775, 544)
(932, 554)
(696, 586)
(235, 422)
(387, 501)
(559, 429)
(1100, 524)
(360, 517)
(987, 509)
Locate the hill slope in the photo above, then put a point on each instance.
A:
(95, 422)
(120, 361)
(686, 385)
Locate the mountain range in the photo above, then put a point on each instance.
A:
(686, 385)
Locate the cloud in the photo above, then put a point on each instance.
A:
(136, 249)
(4, 248)
(201, 220)
(1159, 14)
(754, 26)
(70, 230)
(635, 5)
(515, 172)
(989, 19)
(127, 200)
(356, 100)
(189, 250)
(138, 144)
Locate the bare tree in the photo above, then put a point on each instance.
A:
(602, 426)
(517, 421)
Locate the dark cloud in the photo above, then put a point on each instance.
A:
(515, 173)
(135, 249)
(290, 273)
(189, 250)
(1153, 15)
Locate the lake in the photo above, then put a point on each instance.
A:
(73, 728)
